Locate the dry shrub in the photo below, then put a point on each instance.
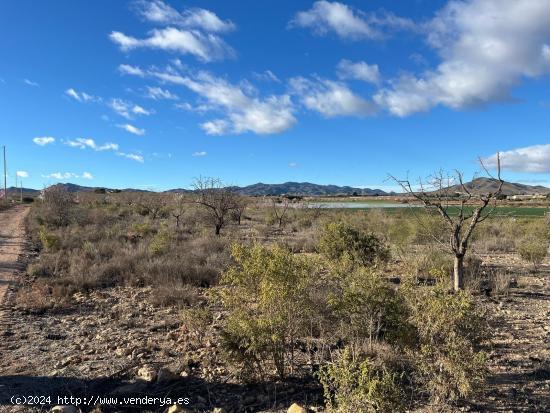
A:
(39, 297)
(451, 330)
(360, 382)
(196, 321)
(174, 296)
(533, 250)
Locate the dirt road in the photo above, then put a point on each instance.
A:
(12, 240)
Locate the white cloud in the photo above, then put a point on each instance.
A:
(158, 93)
(82, 96)
(534, 158)
(267, 75)
(159, 12)
(216, 127)
(130, 70)
(138, 110)
(132, 129)
(132, 156)
(127, 109)
(201, 153)
(68, 175)
(293, 165)
(358, 71)
(30, 83)
(83, 143)
(43, 140)
(204, 46)
(330, 98)
(22, 174)
(486, 48)
(244, 111)
(336, 17)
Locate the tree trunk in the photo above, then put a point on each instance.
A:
(459, 272)
(218, 228)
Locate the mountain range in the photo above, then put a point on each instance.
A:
(310, 189)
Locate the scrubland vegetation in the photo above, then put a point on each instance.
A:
(360, 302)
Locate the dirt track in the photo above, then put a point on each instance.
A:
(12, 241)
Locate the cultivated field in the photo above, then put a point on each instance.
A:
(337, 310)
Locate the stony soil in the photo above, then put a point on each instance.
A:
(116, 342)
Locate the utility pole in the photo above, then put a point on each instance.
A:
(21, 183)
(5, 177)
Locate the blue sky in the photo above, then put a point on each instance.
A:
(150, 94)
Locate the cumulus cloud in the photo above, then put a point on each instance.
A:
(157, 11)
(158, 93)
(325, 17)
(130, 70)
(68, 175)
(358, 71)
(330, 98)
(204, 46)
(84, 143)
(43, 140)
(81, 96)
(22, 174)
(132, 129)
(244, 110)
(201, 153)
(127, 109)
(534, 158)
(132, 156)
(268, 76)
(486, 48)
(30, 83)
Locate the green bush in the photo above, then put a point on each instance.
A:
(360, 384)
(160, 243)
(339, 240)
(51, 242)
(450, 330)
(366, 307)
(533, 251)
(268, 308)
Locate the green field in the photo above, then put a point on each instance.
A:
(502, 211)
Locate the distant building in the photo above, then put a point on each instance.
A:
(525, 197)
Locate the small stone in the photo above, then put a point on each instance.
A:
(177, 409)
(147, 373)
(296, 408)
(65, 409)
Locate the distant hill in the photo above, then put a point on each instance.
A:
(486, 185)
(305, 189)
(480, 185)
(297, 188)
(26, 191)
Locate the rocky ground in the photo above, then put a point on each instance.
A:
(519, 379)
(116, 342)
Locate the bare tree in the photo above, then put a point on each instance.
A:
(57, 201)
(178, 207)
(216, 199)
(151, 204)
(241, 203)
(451, 191)
(279, 209)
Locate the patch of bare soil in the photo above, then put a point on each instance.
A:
(12, 241)
(519, 379)
(116, 343)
